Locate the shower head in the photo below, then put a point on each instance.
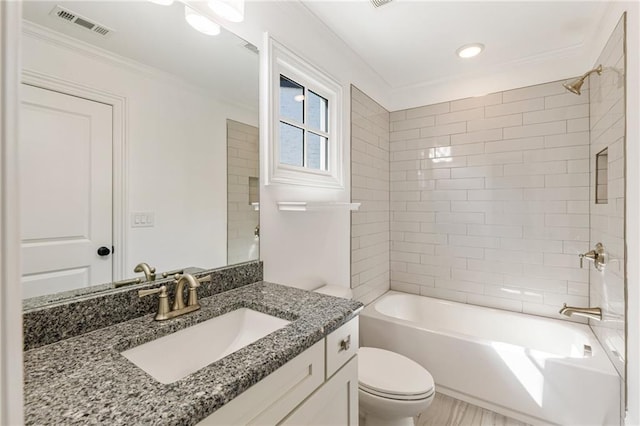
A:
(575, 85)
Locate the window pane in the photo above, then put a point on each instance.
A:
(317, 112)
(317, 151)
(291, 145)
(291, 100)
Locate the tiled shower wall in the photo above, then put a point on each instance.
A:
(607, 104)
(490, 199)
(242, 218)
(369, 186)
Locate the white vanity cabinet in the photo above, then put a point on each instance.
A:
(318, 387)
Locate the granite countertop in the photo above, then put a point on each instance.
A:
(85, 380)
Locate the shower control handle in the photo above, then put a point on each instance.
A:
(598, 256)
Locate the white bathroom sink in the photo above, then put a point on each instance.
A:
(173, 357)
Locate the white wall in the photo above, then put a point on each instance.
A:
(177, 153)
(311, 248)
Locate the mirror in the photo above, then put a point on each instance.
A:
(128, 118)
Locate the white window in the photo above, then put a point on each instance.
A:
(305, 116)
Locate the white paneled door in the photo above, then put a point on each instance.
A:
(66, 191)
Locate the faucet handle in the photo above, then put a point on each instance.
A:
(163, 301)
(205, 279)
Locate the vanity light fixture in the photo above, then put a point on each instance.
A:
(231, 10)
(470, 50)
(200, 22)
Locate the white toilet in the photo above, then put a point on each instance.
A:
(392, 389)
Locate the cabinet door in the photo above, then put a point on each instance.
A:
(335, 403)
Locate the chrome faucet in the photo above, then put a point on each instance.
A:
(593, 313)
(178, 308)
(149, 272)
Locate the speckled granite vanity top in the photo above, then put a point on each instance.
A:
(85, 379)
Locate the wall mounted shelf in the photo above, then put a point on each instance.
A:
(303, 206)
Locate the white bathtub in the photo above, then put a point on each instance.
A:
(531, 368)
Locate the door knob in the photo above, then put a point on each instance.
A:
(104, 251)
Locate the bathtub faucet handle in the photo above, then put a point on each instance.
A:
(598, 256)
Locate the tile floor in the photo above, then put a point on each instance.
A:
(447, 411)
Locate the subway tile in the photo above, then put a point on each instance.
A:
(571, 180)
(578, 166)
(530, 130)
(528, 219)
(460, 251)
(404, 277)
(536, 181)
(509, 231)
(474, 137)
(575, 220)
(555, 154)
(566, 139)
(486, 265)
(475, 206)
(474, 241)
(464, 115)
(549, 194)
(564, 260)
(563, 113)
(425, 238)
(578, 125)
(404, 135)
(416, 123)
(543, 310)
(444, 163)
(447, 217)
(405, 287)
(432, 195)
(514, 144)
(477, 171)
(566, 99)
(446, 228)
(426, 174)
(530, 92)
(459, 285)
(557, 232)
(514, 256)
(495, 159)
(532, 244)
(424, 111)
(495, 194)
(578, 207)
(535, 206)
(429, 270)
(444, 129)
(514, 293)
(536, 283)
(475, 102)
(468, 184)
(526, 105)
(506, 121)
(444, 261)
(444, 293)
(429, 206)
(541, 168)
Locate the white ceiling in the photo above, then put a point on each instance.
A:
(158, 36)
(412, 43)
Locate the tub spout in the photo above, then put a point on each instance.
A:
(593, 313)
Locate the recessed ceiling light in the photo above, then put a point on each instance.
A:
(470, 50)
(201, 22)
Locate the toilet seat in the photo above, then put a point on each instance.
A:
(390, 375)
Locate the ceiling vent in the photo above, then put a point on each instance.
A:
(79, 20)
(378, 3)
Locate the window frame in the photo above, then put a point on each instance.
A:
(284, 62)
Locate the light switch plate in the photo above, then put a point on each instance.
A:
(142, 219)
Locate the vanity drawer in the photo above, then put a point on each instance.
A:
(342, 344)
